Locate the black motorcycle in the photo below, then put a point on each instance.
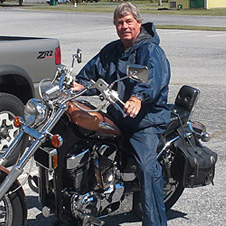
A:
(86, 167)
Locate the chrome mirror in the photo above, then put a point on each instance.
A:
(138, 72)
(77, 56)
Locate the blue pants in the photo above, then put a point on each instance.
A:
(144, 139)
(145, 144)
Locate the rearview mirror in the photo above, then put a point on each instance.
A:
(79, 55)
(138, 72)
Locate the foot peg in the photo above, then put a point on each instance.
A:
(92, 221)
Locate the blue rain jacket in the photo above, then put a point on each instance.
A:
(111, 63)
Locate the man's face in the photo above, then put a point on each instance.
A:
(128, 28)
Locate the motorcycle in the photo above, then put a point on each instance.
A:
(86, 170)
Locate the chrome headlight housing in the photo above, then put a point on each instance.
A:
(35, 112)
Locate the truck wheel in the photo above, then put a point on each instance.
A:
(10, 106)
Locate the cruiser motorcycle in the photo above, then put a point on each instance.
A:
(86, 170)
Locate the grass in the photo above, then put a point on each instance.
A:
(108, 7)
(145, 7)
(189, 27)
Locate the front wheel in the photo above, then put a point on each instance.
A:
(13, 209)
(11, 214)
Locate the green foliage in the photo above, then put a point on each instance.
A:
(146, 7)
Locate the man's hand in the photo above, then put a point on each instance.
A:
(76, 86)
(132, 107)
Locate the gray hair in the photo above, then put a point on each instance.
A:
(126, 8)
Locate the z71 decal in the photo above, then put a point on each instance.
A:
(45, 54)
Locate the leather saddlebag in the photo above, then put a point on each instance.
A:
(194, 164)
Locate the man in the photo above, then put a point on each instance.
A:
(145, 103)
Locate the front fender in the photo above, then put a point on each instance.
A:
(20, 192)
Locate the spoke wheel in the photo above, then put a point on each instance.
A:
(6, 212)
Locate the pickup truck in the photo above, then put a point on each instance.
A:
(20, 2)
(24, 61)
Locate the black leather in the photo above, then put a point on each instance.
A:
(187, 97)
(184, 103)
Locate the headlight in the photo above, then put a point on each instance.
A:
(34, 112)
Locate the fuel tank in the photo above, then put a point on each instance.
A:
(94, 121)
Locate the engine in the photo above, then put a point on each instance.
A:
(92, 180)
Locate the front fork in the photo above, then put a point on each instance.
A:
(39, 138)
(17, 169)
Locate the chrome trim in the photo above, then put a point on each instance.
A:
(205, 137)
(167, 144)
(31, 132)
(51, 153)
(106, 126)
(75, 160)
(35, 112)
(17, 169)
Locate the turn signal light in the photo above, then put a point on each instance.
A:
(55, 161)
(18, 121)
(57, 140)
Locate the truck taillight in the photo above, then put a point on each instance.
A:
(57, 55)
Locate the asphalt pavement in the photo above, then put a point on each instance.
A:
(197, 58)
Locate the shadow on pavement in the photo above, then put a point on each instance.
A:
(173, 214)
(32, 202)
(116, 220)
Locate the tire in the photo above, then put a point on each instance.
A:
(13, 207)
(10, 106)
(172, 193)
(171, 196)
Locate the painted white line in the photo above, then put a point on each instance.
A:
(216, 35)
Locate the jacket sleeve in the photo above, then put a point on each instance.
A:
(97, 67)
(156, 87)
